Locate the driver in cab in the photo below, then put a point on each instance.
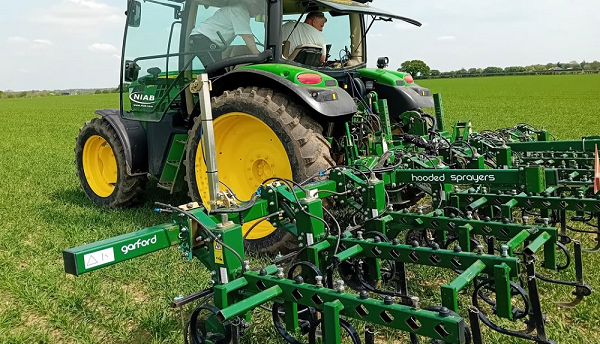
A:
(309, 32)
(229, 21)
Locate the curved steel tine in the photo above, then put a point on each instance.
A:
(581, 289)
(571, 304)
(597, 247)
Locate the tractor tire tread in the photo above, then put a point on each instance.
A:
(311, 148)
(130, 190)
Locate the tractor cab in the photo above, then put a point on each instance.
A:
(168, 42)
(161, 58)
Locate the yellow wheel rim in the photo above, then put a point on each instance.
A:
(248, 152)
(99, 166)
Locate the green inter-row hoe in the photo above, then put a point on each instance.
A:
(339, 170)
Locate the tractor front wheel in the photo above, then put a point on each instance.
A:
(259, 134)
(102, 168)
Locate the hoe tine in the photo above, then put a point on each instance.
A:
(581, 289)
(571, 304)
(596, 248)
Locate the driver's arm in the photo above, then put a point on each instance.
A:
(249, 40)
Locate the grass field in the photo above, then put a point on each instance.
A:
(43, 211)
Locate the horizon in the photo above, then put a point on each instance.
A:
(75, 44)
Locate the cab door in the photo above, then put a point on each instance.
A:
(150, 73)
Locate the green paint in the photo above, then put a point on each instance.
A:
(173, 169)
(384, 76)
(450, 291)
(291, 73)
(503, 292)
(86, 258)
(249, 303)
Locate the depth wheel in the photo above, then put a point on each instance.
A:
(102, 168)
(259, 134)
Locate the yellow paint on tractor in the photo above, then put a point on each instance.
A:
(99, 166)
(248, 152)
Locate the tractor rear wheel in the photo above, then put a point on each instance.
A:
(259, 134)
(102, 168)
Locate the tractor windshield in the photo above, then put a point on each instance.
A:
(336, 34)
(337, 45)
(341, 40)
(227, 31)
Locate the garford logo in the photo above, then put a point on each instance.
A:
(454, 178)
(141, 98)
(139, 243)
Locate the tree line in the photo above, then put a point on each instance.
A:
(420, 69)
(46, 93)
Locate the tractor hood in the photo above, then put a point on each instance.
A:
(348, 6)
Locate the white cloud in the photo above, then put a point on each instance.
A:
(79, 13)
(42, 41)
(17, 39)
(89, 4)
(446, 38)
(23, 46)
(102, 48)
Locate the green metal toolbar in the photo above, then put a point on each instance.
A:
(496, 208)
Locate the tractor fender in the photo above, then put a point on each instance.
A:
(404, 98)
(133, 137)
(330, 102)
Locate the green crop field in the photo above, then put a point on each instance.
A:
(43, 211)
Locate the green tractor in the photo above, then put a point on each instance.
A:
(277, 114)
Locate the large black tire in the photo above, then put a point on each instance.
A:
(102, 168)
(307, 150)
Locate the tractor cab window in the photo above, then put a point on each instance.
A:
(150, 59)
(341, 34)
(223, 32)
(337, 34)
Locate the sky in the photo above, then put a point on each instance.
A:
(62, 44)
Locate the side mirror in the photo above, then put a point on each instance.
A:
(134, 14)
(131, 71)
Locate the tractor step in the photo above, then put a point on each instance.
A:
(173, 171)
